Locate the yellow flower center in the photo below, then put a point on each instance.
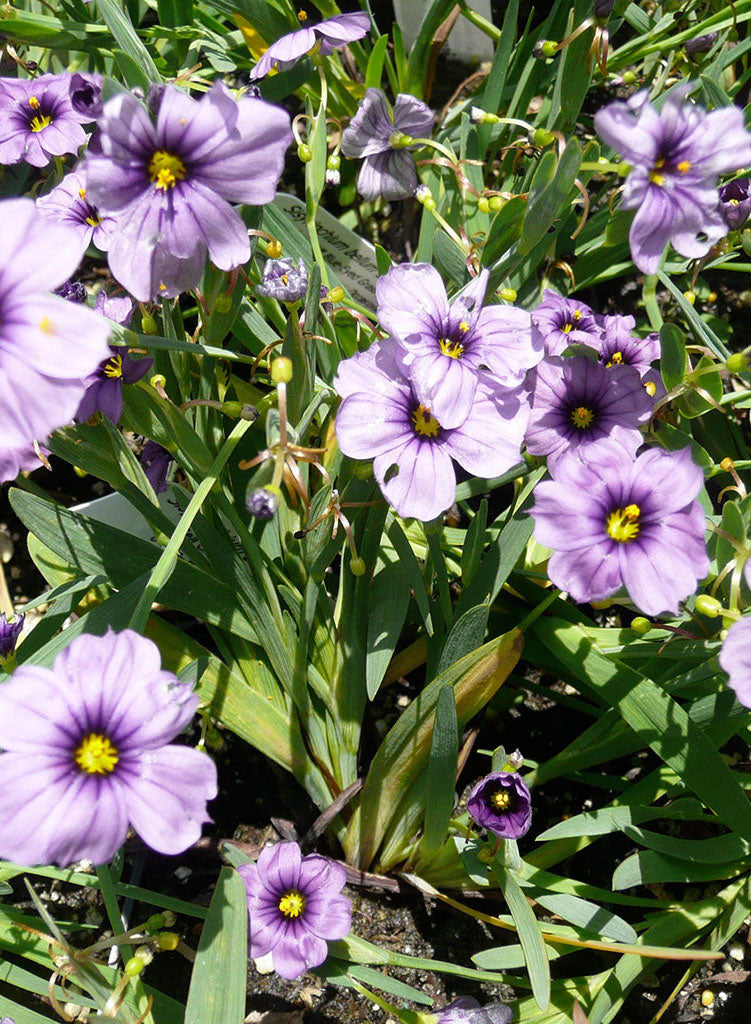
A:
(582, 417)
(424, 422)
(292, 903)
(165, 169)
(734, 202)
(577, 314)
(450, 348)
(622, 525)
(38, 124)
(500, 800)
(684, 166)
(97, 755)
(114, 366)
(94, 221)
(615, 359)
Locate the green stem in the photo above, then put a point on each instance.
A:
(311, 199)
(479, 22)
(541, 607)
(107, 889)
(439, 564)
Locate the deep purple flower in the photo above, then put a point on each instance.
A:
(735, 202)
(86, 95)
(67, 203)
(104, 390)
(383, 142)
(327, 36)
(387, 416)
(603, 8)
(72, 291)
(467, 1010)
(701, 44)
(618, 346)
(677, 155)
(262, 503)
(285, 280)
(37, 120)
(618, 521)
(86, 752)
(156, 463)
(563, 322)
(575, 402)
(9, 634)
(169, 184)
(47, 345)
(450, 346)
(295, 904)
(735, 659)
(501, 803)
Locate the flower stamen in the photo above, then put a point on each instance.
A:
(96, 755)
(424, 422)
(582, 417)
(165, 169)
(114, 366)
(292, 904)
(450, 348)
(622, 525)
(500, 800)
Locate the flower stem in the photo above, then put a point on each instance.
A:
(109, 895)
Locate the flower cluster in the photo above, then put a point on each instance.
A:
(445, 386)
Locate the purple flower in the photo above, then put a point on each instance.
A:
(262, 503)
(449, 346)
(169, 184)
(576, 402)
(47, 345)
(86, 95)
(284, 280)
(9, 634)
(72, 291)
(23, 459)
(617, 346)
(37, 120)
(386, 416)
(383, 141)
(735, 203)
(467, 1010)
(87, 752)
(677, 155)
(156, 463)
(295, 904)
(701, 44)
(327, 36)
(104, 387)
(616, 521)
(563, 322)
(67, 204)
(501, 803)
(735, 659)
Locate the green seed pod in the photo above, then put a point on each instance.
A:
(148, 324)
(281, 370)
(708, 605)
(304, 153)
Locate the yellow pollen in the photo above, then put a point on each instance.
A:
(114, 366)
(94, 221)
(567, 327)
(82, 193)
(734, 202)
(34, 103)
(38, 124)
(292, 903)
(285, 279)
(464, 327)
(622, 525)
(302, 16)
(684, 166)
(615, 359)
(96, 755)
(577, 314)
(656, 179)
(582, 417)
(453, 349)
(660, 163)
(500, 800)
(424, 422)
(46, 325)
(651, 388)
(165, 170)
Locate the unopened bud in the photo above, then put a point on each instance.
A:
(727, 464)
(544, 48)
(709, 606)
(148, 324)
(541, 137)
(169, 917)
(334, 162)
(333, 178)
(641, 625)
(690, 297)
(274, 249)
(479, 116)
(629, 78)
(134, 967)
(514, 761)
(281, 370)
(335, 294)
(702, 44)
(603, 8)
(158, 381)
(240, 411)
(496, 203)
(223, 303)
(263, 502)
(483, 205)
(304, 153)
(423, 195)
(168, 941)
(154, 924)
(145, 955)
(737, 362)
(507, 294)
(357, 566)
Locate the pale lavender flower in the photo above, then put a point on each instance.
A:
(501, 803)
(87, 752)
(735, 659)
(67, 203)
(383, 141)
(735, 203)
(617, 521)
(169, 184)
(37, 120)
(285, 280)
(677, 155)
(326, 36)
(104, 391)
(9, 634)
(386, 416)
(156, 463)
(23, 459)
(563, 322)
(576, 401)
(295, 904)
(47, 345)
(451, 346)
(467, 1010)
(619, 346)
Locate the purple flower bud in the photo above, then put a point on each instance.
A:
(9, 634)
(467, 1010)
(284, 280)
(73, 291)
(156, 462)
(702, 44)
(603, 8)
(262, 503)
(735, 203)
(501, 803)
(86, 95)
